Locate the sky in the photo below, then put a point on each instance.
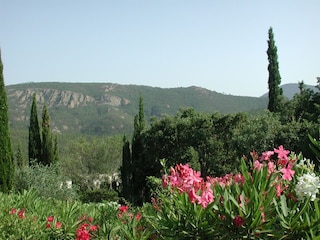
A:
(219, 45)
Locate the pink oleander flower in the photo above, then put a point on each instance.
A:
(123, 208)
(287, 172)
(257, 165)
(282, 153)
(271, 167)
(138, 216)
(50, 219)
(13, 211)
(21, 213)
(58, 225)
(238, 178)
(266, 156)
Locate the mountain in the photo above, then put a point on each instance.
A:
(290, 89)
(108, 108)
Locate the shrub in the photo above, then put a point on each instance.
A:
(47, 182)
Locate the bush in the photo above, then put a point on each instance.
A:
(47, 182)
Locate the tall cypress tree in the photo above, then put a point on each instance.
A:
(275, 92)
(6, 154)
(126, 170)
(34, 133)
(138, 161)
(47, 153)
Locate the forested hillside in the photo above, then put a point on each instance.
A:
(109, 109)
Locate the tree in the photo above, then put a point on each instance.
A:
(275, 92)
(47, 150)
(126, 170)
(6, 153)
(139, 172)
(34, 133)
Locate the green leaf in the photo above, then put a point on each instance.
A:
(284, 207)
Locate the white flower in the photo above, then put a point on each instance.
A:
(308, 186)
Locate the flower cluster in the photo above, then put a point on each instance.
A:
(185, 179)
(308, 186)
(50, 221)
(85, 229)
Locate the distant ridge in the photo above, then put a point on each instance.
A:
(109, 108)
(290, 89)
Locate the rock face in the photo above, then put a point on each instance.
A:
(53, 97)
(69, 110)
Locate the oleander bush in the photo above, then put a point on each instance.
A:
(275, 195)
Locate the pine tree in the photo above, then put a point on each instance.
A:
(6, 154)
(34, 133)
(47, 153)
(275, 92)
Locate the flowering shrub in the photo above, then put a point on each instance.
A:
(274, 195)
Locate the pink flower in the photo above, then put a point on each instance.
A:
(287, 172)
(282, 153)
(238, 221)
(138, 216)
(238, 178)
(266, 155)
(279, 188)
(271, 167)
(50, 219)
(58, 225)
(13, 211)
(123, 208)
(257, 165)
(193, 196)
(206, 198)
(21, 213)
(94, 228)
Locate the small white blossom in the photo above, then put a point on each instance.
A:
(308, 186)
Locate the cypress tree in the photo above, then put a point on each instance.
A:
(47, 153)
(275, 92)
(20, 162)
(138, 161)
(126, 169)
(34, 133)
(6, 153)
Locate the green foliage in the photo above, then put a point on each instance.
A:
(315, 147)
(98, 195)
(6, 154)
(46, 181)
(89, 156)
(34, 144)
(47, 148)
(139, 170)
(126, 170)
(275, 92)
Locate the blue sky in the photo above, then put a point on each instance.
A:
(218, 45)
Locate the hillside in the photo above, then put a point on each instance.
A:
(107, 108)
(290, 89)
